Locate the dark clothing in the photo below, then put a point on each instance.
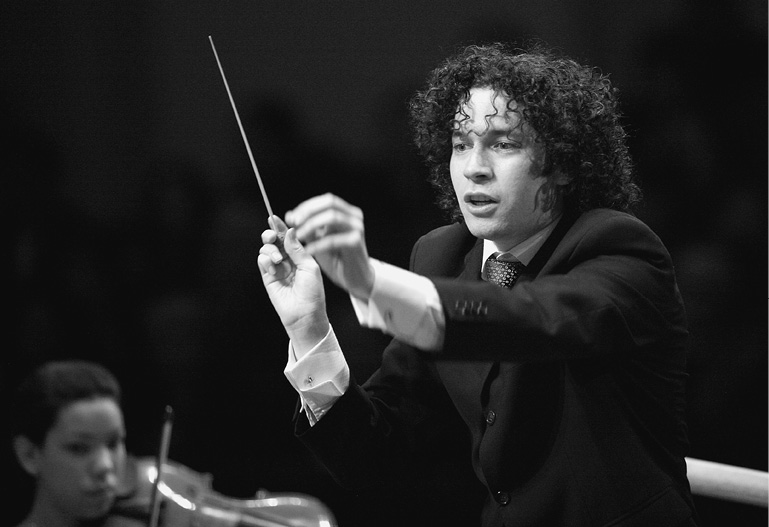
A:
(571, 384)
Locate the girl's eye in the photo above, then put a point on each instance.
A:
(460, 147)
(79, 449)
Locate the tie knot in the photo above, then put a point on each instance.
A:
(501, 272)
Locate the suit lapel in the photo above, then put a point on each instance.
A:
(472, 267)
(467, 378)
(547, 249)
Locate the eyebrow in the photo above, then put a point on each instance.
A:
(512, 131)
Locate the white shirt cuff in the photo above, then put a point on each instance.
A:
(403, 304)
(320, 377)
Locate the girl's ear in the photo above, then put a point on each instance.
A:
(27, 453)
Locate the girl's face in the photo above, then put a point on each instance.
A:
(78, 465)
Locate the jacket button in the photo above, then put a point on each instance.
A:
(491, 416)
(503, 498)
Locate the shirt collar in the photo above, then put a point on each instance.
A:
(523, 252)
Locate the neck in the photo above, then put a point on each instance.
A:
(546, 225)
(48, 517)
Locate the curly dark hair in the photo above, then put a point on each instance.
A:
(572, 108)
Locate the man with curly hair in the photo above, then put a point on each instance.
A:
(539, 339)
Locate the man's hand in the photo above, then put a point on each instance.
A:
(295, 286)
(332, 232)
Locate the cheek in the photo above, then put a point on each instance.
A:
(527, 187)
(456, 175)
(120, 458)
(66, 466)
(60, 475)
(459, 184)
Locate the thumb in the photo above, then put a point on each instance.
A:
(294, 248)
(277, 224)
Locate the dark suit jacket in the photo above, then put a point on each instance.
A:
(569, 387)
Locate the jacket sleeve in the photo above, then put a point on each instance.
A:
(399, 422)
(608, 288)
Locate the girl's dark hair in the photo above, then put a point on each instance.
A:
(572, 108)
(41, 396)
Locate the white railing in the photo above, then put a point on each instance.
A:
(728, 482)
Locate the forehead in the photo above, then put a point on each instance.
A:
(487, 109)
(91, 417)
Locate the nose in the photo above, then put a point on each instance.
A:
(104, 462)
(477, 164)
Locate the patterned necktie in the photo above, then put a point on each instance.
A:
(501, 272)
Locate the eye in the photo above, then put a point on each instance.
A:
(78, 448)
(460, 146)
(507, 145)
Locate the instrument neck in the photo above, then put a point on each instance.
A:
(228, 518)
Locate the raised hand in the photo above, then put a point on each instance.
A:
(332, 231)
(294, 284)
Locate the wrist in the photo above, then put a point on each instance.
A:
(363, 292)
(306, 334)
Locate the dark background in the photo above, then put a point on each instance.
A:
(135, 217)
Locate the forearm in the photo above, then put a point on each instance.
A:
(404, 305)
(580, 314)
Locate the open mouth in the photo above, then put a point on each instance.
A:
(479, 201)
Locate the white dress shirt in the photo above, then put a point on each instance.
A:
(402, 304)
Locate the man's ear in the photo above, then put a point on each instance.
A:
(27, 453)
(561, 179)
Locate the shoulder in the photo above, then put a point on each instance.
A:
(606, 231)
(608, 217)
(438, 251)
(446, 234)
(611, 225)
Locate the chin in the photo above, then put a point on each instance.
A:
(97, 509)
(481, 229)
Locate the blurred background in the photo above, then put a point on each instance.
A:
(135, 216)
